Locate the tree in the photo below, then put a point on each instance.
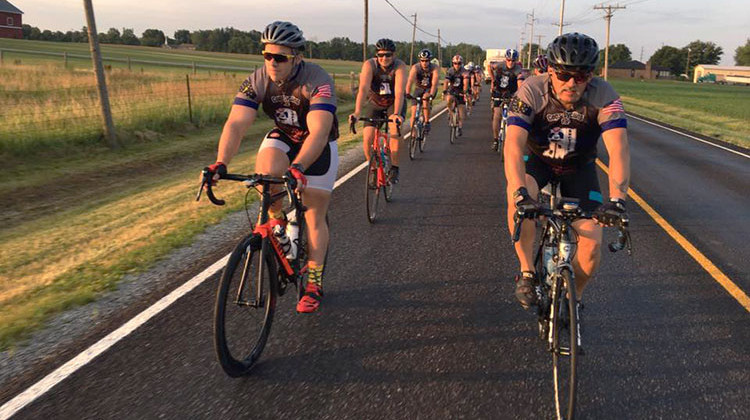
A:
(742, 54)
(182, 36)
(617, 53)
(153, 38)
(114, 36)
(129, 38)
(670, 57)
(704, 52)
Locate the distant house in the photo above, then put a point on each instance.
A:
(722, 74)
(10, 21)
(634, 69)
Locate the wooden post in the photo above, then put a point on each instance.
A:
(194, 69)
(1, 57)
(364, 42)
(129, 69)
(65, 59)
(190, 103)
(101, 82)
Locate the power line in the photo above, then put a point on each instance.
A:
(412, 23)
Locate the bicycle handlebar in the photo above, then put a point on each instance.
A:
(251, 181)
(353, 129)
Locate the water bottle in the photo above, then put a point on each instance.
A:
(549, 262)
(284, 242)
(292, 232)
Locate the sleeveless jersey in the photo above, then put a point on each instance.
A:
(382, 86)
(560, 137)
(506, 79)
(456, 80)
(309, 88)
(424, 77)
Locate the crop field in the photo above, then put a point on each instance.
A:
(720, 111)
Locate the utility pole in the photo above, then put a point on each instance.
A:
(96, 57)
(520, 40)
(562, 12)
(440, 53)
(641, 59)
(413, 37)
(608, 16)
(531, 38)
(539, 45)
(364, 45)
(687, 66)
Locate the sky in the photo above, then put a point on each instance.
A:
(644, 25)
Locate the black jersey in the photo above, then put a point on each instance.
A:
(562, 137)
(457, 80)
(506, 79)
(309, 88)
(382, 86)
(424, 77)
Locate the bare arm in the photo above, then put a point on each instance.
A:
(239, 121)
(412, 79)
(399, 85)
(435, 82)
(319, 123)
(515, 167)
(616, 142)
(365, 78)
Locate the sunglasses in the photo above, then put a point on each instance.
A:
(388, 54)
(459, 63)
(424, 61)
(280, 58)
(579, 77)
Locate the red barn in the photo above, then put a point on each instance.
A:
(10, 21)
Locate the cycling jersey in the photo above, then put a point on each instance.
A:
(310, 88)
(506, 79)
(563, 138)
(477, 77)
(382, 86)
(456, 80)
(424, 77)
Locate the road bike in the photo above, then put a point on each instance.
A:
(557, 310)
(257, 274)
(453, 121)
(503, 124)
(418, 136)
(379, 166)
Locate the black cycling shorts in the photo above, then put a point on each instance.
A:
(424, 92)
(370, 110)
(581, 183)
(460, 100)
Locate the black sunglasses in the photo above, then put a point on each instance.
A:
(579, 77)
(388, 54)
(280, 58)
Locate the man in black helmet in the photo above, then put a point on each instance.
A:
(382, 85)
(300, 98)
(554, 126)
(424, 75)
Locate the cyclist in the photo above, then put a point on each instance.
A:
(506, 78)
(477, 80)
(300, 98)
(382, 84)
(540, 65)
(425, 76)
(455, 88)
(469, 97)
(555, 122)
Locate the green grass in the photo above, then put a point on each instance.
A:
(720, 111)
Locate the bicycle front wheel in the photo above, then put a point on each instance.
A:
(372, 188)
(245, 304)
(413, 139)
(564, 345)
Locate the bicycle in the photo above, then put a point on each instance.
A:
(378, 168)
(453, 121)
(418, 136)
(503, 102)
(557, 307)
(257, 273)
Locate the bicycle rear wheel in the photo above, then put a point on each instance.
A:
(564, 345)
(388, 187)
(413, 139)
(245, 304)
(372, 188)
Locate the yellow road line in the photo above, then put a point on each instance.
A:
(698, 256)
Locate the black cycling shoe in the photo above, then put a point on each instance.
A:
(526, 283)
(494, 144)
(427, 129)
(393, 175)
(460, 132)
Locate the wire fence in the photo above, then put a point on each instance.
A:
(54, 105)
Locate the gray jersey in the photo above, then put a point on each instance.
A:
(309, 88)
(564, 137)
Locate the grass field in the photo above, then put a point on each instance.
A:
(719, 111)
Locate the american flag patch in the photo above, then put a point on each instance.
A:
(614, 106)
(323, 91)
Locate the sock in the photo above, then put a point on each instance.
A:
(315, 274)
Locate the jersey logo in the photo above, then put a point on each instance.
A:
(519, 107)
(561, 142)
(385, 89)
(565, 117)
(247, 89)
(323, 91)
(614, 106)
(287, 116)
(504, 81)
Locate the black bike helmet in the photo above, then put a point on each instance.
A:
(283, 33)
(385, 44)
(425, 54)
(573, 51)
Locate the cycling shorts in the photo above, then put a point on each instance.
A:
(577, 182)
(460, 100)
(417, 92)
(321, 174)
(371, 110)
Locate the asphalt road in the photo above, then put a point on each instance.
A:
(419, 320)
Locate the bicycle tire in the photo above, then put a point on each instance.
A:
(372, 189)
(388, 187)
(413, 139)
(237, 347)
(422, 136)
(501, 139)
(565, 345)
(453, 131)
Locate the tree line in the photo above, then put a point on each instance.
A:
(233, 40)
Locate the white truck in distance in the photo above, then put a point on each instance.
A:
(494, 55)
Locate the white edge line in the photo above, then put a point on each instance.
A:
(688, 135)
(58, 375)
